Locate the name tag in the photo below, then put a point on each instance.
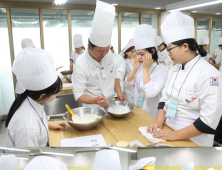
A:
(172, 110)
(140, 101)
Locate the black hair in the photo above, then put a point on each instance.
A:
(220, 45)
(51, 90)
(111, 47)
(154, 56)
(91, 44)
(192, 45)
(163, 44)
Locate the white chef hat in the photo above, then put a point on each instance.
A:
(34, 69)
(8, 162)
(220, 41)
(145, 163)
(188, 166)
(128, 45)
(107, 160)
(143, 37)
(77, 40)
(204, 40)
(45, 163)
(27, 42)
(102, 25)
(177, 26)
(158, 41)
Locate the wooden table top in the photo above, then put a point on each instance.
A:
(65, 90)
(114, 130)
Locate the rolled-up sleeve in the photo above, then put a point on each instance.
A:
(79, 80)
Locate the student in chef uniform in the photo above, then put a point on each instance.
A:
(188, 166)
(45, 163)
(204, 44)
(120, 67)
(27, 42)
(95, 75)
(218, 49)
(107, 160)
(191, 101)
(128, 52)
(27, 125)
(163, 56)
(145, 163)
(150, 76)
(8, 162)
(79, 49)
(218, 59)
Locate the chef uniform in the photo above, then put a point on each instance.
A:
(218, 59)
(8, 162)
(28, 126)
(45, 163)
(145, 163)
(77, 41)
(89, 76)
(26, 42)
(218, 49)
(107, 160)
(150, 92)
(129, 67)
(163, 55)
(205, 41)
(188, 166)
(120, 67)
(196, 89)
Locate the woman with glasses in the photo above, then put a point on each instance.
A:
(191, 99)
(148, 76)
(163, 56)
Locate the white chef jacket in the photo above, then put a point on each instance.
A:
(152, 89)
(75, 56)
(26, 129)
(120, 69)
(129, 91)
(219, 60)
(163, 55)
(94, 78)
(207, 57)
(198, 86)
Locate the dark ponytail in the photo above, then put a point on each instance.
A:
(192, 45)
(51, 90)
(155, 55)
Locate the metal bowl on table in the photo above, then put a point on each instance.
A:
(119, 103)
(81, 111)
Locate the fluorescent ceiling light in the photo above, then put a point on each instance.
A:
(197, 5)
(114, 4)
(157, 8)
(56, 153)
(218, 13)
(123, 149)
(15, 149)
(194, 11)
(59, 2)
(22, 158)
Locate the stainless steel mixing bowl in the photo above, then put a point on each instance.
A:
(80, 111)
(118, 103)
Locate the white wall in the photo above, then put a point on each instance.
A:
(178, 156)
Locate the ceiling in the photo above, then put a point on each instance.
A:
(148, 4)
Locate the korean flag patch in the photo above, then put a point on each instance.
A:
(214, 81)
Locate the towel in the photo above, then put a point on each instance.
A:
(149, 136)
